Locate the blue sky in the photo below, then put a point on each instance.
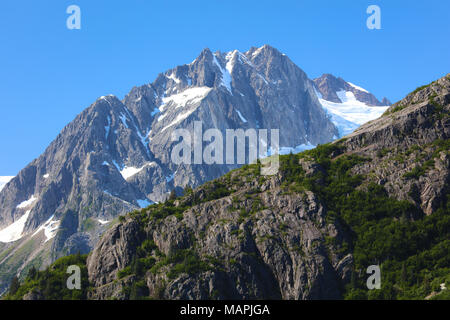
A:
(49, 74)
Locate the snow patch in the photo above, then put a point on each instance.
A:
(244, 59)
(128, 172)
(143, 139)
(263, 78)
(15, 230)
(50, 227)
(191, 96)
(174, 78)
(351, 113)
(124, 119)
(318, 94)
(162, 117)
(230, 61)
(240, 116)
(103, 221)
(107, 127)
(226, 75)
(27, 203)
(257, 51)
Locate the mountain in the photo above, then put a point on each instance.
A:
(329, 87)
(115, 156)
(378, 196)
(348, 105)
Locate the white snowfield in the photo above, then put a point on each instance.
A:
(174, 78)
(226, 74)
(27, 203)
(103, 221)
(14, 231)
(128, 172)
(188, 96)
(50, 227)
(351, 113)
(189, 100)
(4, 180)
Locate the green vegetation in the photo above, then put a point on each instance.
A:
(438, 147)
(396, 108)
(382, 152)
(421, 88)
(186, 261)
(51, 284)
(411, 248)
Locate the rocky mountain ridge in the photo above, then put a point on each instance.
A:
(115, 156)
(329, 86)
(264, 237)
(377, 196)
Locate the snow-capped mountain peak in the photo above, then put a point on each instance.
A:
(347, 104)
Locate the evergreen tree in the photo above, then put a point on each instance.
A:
(404, 274)
(426, 284)
(173, 195)
(188, 190)
(134, 294)
(32, 273)
(15, 284)
(354, 280)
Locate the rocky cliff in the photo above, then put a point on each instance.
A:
(377, 196)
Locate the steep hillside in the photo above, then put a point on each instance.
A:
(378, 196)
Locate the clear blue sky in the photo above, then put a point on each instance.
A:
(49, 74)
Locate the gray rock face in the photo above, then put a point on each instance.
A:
(124, 239)
(328, 85)
(266, 243)
(279, 254)
(115, 156)
(403, 140)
